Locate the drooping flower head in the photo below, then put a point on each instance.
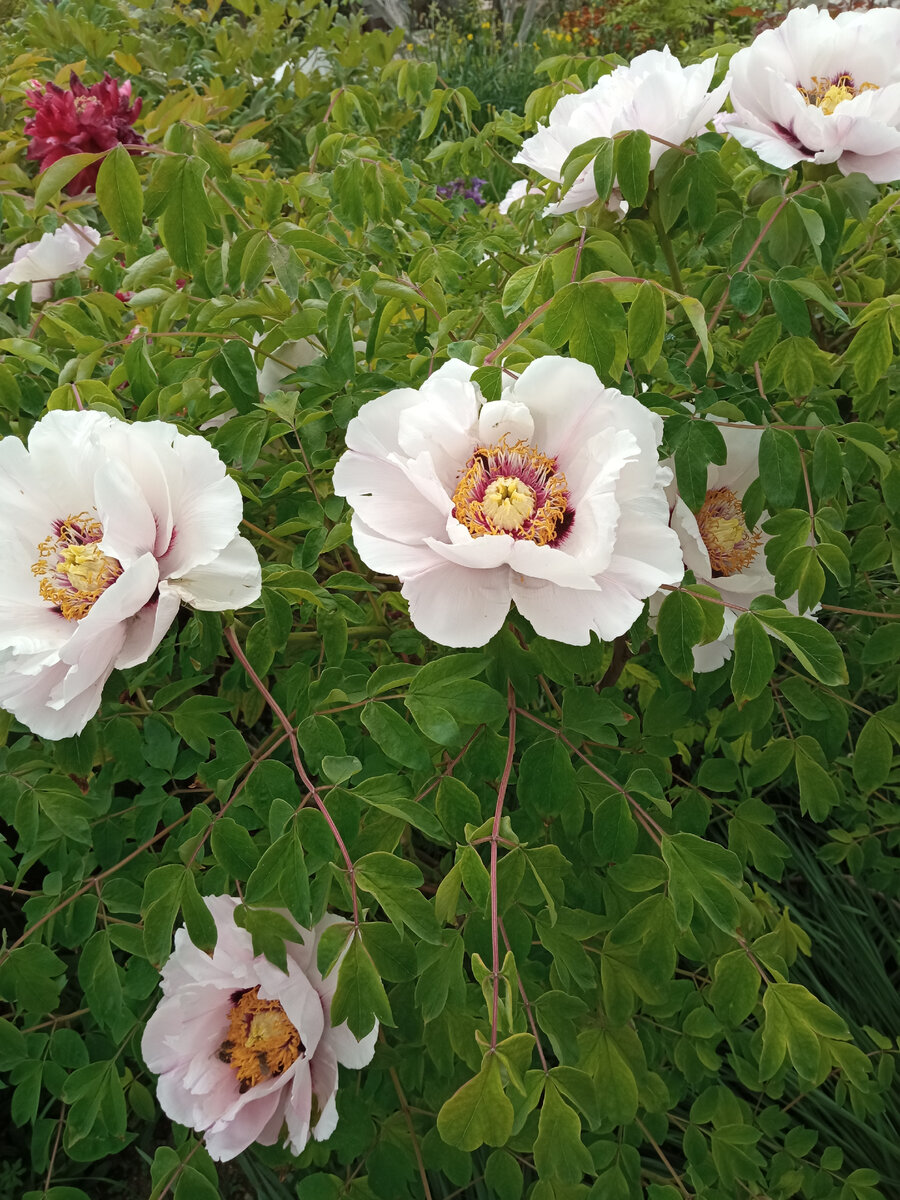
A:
(55, 255)
(550, 497)
(81, 120)
(722, 549)
(244, 1051)
(654, 92)
(105, 528)
(822, 89)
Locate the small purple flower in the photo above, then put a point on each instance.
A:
(468, 189)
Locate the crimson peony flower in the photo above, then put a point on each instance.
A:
(81, 120)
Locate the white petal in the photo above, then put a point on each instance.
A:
(232, 580)
(457, 606)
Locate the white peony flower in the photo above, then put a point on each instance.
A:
(550, 497)
(299, 354)
(55, 255)
(718, 546)
(822, 90)
(105, 528)
(654, 93)
(244, 1050)
(518, 191)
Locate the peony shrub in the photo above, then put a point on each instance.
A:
(448, 616)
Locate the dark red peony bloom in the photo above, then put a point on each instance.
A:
(81, 120)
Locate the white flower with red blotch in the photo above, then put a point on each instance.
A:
(550, 498)
(718, 545)
(56, 254)
(654, 92)
(822, 89)
(105, 528)
(244, 1051)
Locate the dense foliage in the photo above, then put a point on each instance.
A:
(622, 923)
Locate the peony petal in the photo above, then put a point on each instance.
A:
(458, 607)
(232, 580)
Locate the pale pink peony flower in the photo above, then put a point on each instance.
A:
(105, 528)
(244, 1051)
(550, 497)
(821, 90)
(654, 93)
(56, 254)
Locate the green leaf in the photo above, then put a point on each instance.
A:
(754, 661)
(182, 228)
(120, 195)
(814, 645)
(99, 976)
(818, 793)
(873, 755)
(234, 370)
(779, 467)
(58, 174)
(233, 848)
(559, 1152)
(696, 314)
(586, 315)
(32, 978)
(615, 831)
(647, 324)
(872, 350)
(395, 884)
(398, 739)
(704, 874)
(603, 168)
(696, 443)
(633, 166)
(795, 1023)
(360, 998)
(791, 308)
(735, 988)
(479, 1112)
(745, 293)
(680, 627)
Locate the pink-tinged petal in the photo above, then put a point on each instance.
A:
(244, 1129)
(298, 1108)
(232, 580)
(324, 1074)
(458, 607)
(297, 997)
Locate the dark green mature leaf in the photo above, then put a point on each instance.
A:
(603, 168)
(586, 315)
(779, 467)
(754, 660)
(873, 755)
(735, 987)
(813, 644)
(120, 195)
(360, 998)
(633, 166)
(680, 627)
(234, 370)
(31, 978)
(647, 324)
(398, 739)
(697, 443)
(182, 227)
(395, 884)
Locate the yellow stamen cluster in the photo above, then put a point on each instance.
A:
(732, 547)
(261, 1041)
(826, 94)
(73, 570)
(512, 489)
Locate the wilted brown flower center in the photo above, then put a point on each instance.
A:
(827, 94)
(73, 570)
(261, 1040)
(732, 547)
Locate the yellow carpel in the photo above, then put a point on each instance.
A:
(508, 503)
